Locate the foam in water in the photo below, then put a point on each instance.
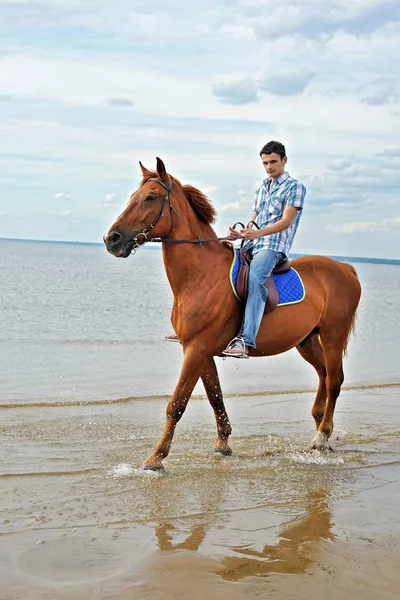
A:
(125, 470)
(315, 459)
(122, 470)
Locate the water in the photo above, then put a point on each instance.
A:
(78, 325)
(84, 381)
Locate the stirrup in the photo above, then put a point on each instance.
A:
(239, 341)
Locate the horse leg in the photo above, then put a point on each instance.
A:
(333, 346)
(312, 352)
(192, 368)
(214, 393)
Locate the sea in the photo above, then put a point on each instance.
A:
(85, 376)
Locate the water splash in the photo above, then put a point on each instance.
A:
(315, 459)
(126, 470)
(122, 470)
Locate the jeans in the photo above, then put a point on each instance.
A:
(261, 267)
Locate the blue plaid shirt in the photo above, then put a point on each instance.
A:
(269, 204)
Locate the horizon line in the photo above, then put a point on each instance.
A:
(295, 254)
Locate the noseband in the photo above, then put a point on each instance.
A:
(142, 237)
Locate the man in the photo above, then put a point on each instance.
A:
(277, 209)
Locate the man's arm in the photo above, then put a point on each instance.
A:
(288, 215)
(253, 218)
(234, 234)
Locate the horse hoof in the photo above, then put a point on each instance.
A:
(153, 468)
(325, 448)
(223, 451)
(320, 442)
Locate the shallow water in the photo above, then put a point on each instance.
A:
(78, 517)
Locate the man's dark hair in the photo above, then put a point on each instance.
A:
(276, 147)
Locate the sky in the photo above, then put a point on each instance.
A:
(88, 88)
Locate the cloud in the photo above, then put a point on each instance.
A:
(343, 205)
(365, 226)
(239, 92)
(74, 82)
(315, 19)
(61, 196)
(378, 92)
(339, 164)
(364, 183)
(231, 206)
(210, 190)
(390, 152)
(119, 102)
(246, 90)
(243, 204)
(109, 201)
(287, 84)
(96, 15)
(72, 67)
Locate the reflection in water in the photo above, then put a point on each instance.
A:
(296, 549)
(294, 553)
(164, 534)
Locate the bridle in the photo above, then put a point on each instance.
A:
(141, 238)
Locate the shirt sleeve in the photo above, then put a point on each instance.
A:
(256, 204)
(297, 194)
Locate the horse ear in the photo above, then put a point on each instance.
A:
(161, 170)
(144, 170)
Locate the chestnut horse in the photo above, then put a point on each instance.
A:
(206, 314)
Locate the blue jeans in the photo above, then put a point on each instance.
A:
(261, 267)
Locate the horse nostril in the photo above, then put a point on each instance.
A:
(113, 238)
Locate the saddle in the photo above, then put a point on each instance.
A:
(242, 281)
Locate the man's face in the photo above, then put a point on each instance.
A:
(274, 164)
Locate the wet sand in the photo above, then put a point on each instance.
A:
(80, 520)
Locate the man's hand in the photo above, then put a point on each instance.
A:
(233, 234)
(249, 233)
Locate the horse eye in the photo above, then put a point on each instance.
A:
(151, 197)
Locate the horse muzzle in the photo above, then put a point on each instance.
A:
(116, 245)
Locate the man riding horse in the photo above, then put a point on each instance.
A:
(277, 209)
(206, 313)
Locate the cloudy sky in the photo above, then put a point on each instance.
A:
(90, 87)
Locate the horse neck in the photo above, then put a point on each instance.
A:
(186, 263)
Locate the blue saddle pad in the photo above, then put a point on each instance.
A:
(289, 285)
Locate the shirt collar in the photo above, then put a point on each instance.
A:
(278, 180)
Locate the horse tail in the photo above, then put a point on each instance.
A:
(351, 268)
(352, 328)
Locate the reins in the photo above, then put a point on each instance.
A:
(199, 240)
(143, 235)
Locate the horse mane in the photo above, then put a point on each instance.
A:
(197, 200)
(200, 204)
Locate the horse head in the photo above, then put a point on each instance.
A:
(148, 208)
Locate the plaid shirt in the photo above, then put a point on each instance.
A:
(269, 204)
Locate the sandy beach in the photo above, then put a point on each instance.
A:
(271, 521)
